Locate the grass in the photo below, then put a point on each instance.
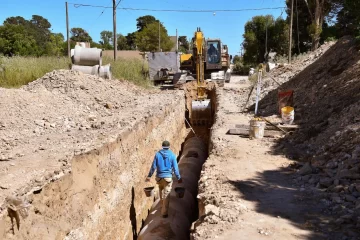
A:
(132, 70)
(18, 71)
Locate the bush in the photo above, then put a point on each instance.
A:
(241, 68)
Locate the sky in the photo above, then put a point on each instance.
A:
(228, 26)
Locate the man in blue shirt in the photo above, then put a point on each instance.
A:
(164, 163)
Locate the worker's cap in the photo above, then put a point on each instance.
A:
(166, 144)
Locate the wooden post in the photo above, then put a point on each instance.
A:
(114, 31)
(67, 29)
(159, 36)
(291, 27)
(177, 41)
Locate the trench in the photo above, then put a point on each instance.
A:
(183, 212)
(101, 196)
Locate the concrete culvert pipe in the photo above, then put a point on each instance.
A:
(182, 211)
(93, 70)
(87, 56)
(105, 71)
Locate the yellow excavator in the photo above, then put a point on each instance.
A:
(201, 112)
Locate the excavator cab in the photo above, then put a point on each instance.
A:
(213, 53)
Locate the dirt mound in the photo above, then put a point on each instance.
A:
(284, 72)
(62, 114)
(327, 106)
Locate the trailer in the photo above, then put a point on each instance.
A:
(163, 66)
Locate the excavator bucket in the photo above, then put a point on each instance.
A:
(201, 112)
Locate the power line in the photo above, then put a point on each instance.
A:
(118, 4)
(77, 5)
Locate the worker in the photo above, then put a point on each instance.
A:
(213, 53)
(212, 50)
(165, 163)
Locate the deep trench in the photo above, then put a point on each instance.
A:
(101, 196)
(164, 228)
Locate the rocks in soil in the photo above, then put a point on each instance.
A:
(306, 169)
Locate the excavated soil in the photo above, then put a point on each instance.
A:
(302, 186)
(77, 148)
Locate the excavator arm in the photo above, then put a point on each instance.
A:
(201, 107)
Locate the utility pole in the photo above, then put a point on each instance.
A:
(297, 27)
(67, 29)
(291, 27)
(114, 31)
(177, 41)
(159, 35)
(266, 41)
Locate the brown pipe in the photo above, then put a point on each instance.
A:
(181, 210)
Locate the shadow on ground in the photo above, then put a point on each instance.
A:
(275, 196)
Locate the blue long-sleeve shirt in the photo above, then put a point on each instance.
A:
(164, 163)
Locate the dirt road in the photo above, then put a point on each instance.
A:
(249, 190)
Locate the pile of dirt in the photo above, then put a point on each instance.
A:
(327, 107)
(64, 113)
(284, 72)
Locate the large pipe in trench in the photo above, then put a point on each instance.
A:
(181, 210)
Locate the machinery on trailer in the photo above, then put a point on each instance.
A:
(215, 61)
(200, 107)
(163, 66)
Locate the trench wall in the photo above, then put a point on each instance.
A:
(101, 196)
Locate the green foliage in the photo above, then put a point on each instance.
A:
(143, 21)
(29, 37)
(122, 43)
(14, 40)
(106, 40)
(183, 44)
(237, 59)
(255, 38)
(130, 39)
(148, 38)
(348, 18)
(80, 35)
(55, 46)
(17, 71)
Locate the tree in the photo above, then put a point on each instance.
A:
(130, 39)
(148, 38)
(236, 59)
(106, 40)
(348, 18)
(40, 22)
(55, 46)
(255, 44)
(143, 21)
(300, 32)
(80, 35)
(16, 21)
(13, 39)
(317, 10)
(40, 30)
(183, 44)
(122, 42)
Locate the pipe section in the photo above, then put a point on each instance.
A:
(105, 71)
(181, 210)
(87, 56)
(93, 70)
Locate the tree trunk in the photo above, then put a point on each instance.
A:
(317, 24)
